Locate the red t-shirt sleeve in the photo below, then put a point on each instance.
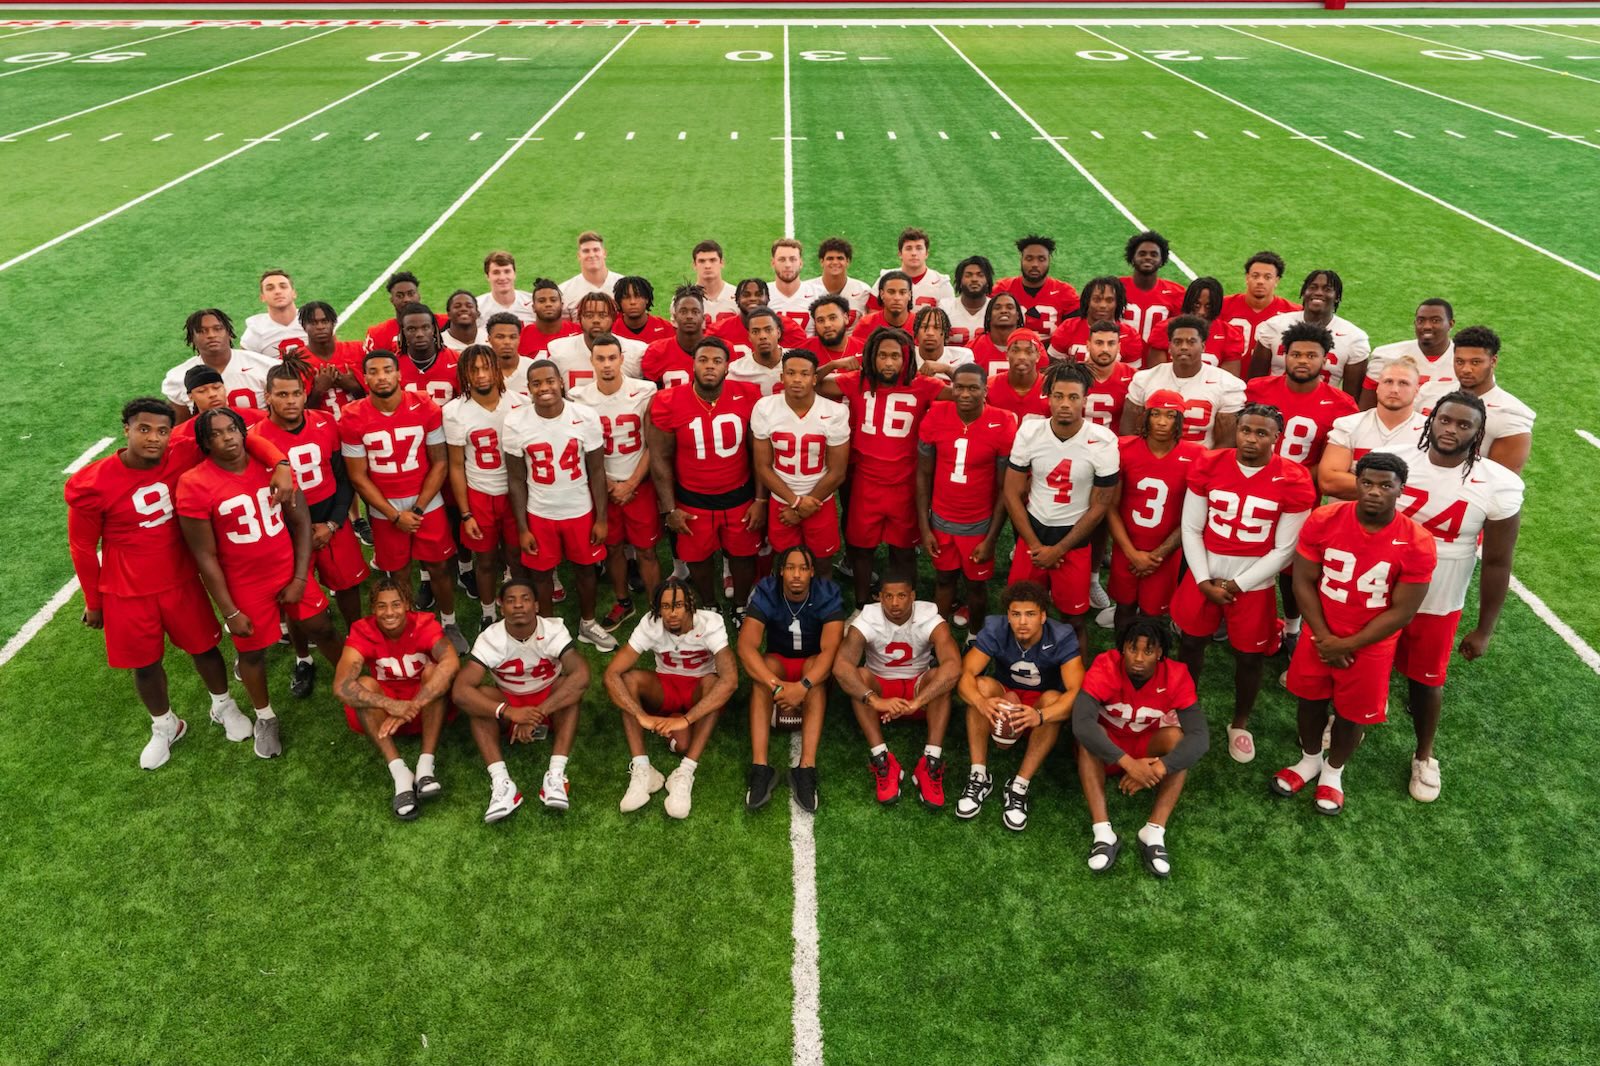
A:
(1103, 680)
(1300, 494)
(361, 639)
(1158, 335)
(1060, 337)
(84, 523)
(1180, 686)
(927, 389)
(661, 411)
(1313, 534)
(194, 497)
(429, 633)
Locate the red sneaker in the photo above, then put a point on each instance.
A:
(928, 775)
(886, 775)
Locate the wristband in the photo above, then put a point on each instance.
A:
(805, 683)
(231, 617)
(465, 515)
(416, 509)
(777, 686)
(497, 711)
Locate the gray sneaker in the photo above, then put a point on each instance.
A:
(458, 641)
(268, 746)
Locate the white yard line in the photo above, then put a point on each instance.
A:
(364, 11)
(22, 33)
(788, 144)
(168, 84)
(97, 51)
(805, 973)
(1553, 33)
(41, 617)
(23, 257)
(88, 456)
(1590, 437)
(1488, 55)
(1580, 647)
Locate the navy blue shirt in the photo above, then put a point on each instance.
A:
(1035, 669)
(794, 630)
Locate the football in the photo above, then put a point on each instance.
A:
(1004, 735)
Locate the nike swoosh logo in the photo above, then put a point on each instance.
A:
(1323, 403)
(1399, 542)
(1474, 481)
(993, 425)
(1185, 458)
(1047, 647)
(1280, 479)
(1161, 690)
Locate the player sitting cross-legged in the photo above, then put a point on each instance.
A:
(1137, 717)
(911, 665)
(681, 699)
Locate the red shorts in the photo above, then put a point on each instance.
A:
(1423, 654)
(261, 606)
(137, 627)
(1359, 692)
(1134, 745)
(820, 532)
(790, 669)
(398, 690)
(1027, 696)
(1152, 594)
(880, 514)
(393, 550)
(495, 521)
(901, 688)
(955, 553)
(562, 540)
(677, 692)
(340, 564)
(1252, 617)
(710, 530)
(524, 699)
(1068, 581)
(636, 521)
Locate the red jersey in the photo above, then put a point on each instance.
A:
(1147, 307)
(1103, 406)
(1153, 488)
(310, 449)
(852, 348)
(395, 444)
(253, 544)
(1030, 401)
(1236, 311)
(1242, 512)
(990, 356)
(1224, 342)
(400, 659)
(438, 382)
(731, 329)
(1361, 569)
(666, 363)
(1307, 416)
(713, 449)
(1071, 340)
(964, 476)
(1127, 709)
(534, 341)
(346, 356)
(871, 322)
(185, 431)
(883, 427)
(654, 329)
(1042, 311)
(386, 335)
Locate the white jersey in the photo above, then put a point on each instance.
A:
(1440, 369)
(796, 309)
(555, 450)
(898, 651)
(622, 416)
(964, 325)
(1212, 391)
(721, 306)
(1063, 472)
(930, 290)
(577, 287)
(521, 306)
(1507, 415)
(527, 666)
(691, 653)
(1350, 344)
(765, 378)
(1363, 432)
(245, 378)
(517, 380)
(856, 294)
(262, 334)
(571, 354)
(954, 355)
(477, 431)
(800, 442)
(454, 345)
(1454, 509)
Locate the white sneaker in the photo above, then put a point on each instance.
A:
(679, 786)
(553, 790)
(1241, 745)
(960, 617)
(560, 591)
(1283, 679)
(727, 581)
(591, 632)
(1424, 780)
(1097, 594)
(159, 749)
(234, 724)
(1106, 619)
(503, 799)
(680, 569)
(643, 782)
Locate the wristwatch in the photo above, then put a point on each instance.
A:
(416, 509)
(805, 683)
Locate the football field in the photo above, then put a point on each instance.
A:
(230, 910)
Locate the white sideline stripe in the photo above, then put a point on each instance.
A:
(1408, 85)
(1325, 146)
(1590, 657)
(1590, 437)
(97, 51)
(701, 23)
(40, 619)
(1489, 55)
(788, 144)
(170, 84)
(180, 179)
(1122, 208)
(483, 178)
(88, 456)
(804, 972)
(22, 33)
(1553, 33)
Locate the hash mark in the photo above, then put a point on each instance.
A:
(370, 137)
(733, 135)
(1148, 135)
(995, 134)
(629, 137)
(1403, 133)
(838, 135)
(58, 137)
(475, 136)
(321, 135)
(1097, 135)
(1252, 136)
(213, 137)
(110, 137)
(160, 137)
(579, 136)
(683, 135)
(1201, 135)
(1457, 136)
(1353, 133)
(424, 135)
(943, 136)
(892, 137)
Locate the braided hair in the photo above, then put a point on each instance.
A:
(1465, 399)
(691, 601)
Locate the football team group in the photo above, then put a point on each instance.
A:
(1242, 468)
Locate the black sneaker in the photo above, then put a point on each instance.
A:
(467, 582)
(363, 530)
(1015, 812)
(424, 600)
(736, 620)
(803, 781)
(303, 679)
(971, 800)
(759, 783)
(1288, 644)
(635, 579)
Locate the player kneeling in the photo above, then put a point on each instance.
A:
(536, 677)
(901, 639)
(694, 678)
(1037, 674)
(412, 664)
(1137, 717)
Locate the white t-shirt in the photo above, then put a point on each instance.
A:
(1063, 472)
(577, 287)
(454, 345)
(964, 325)
(898, 651)
(1363, 433)
(796, 309)
(517, 380)
(262, 334)
(478, 431)
(1440, 369)
(930, 290)
(766, 378)
(1350, 344)
(523, 666)
(800, 442)
(521, 306)
(1507, 415)
(622, 416)
(1210, 392)
(571, 354)
(555, 450)
(245, 378)
(855, 292)
(722, 305)
(688, 654)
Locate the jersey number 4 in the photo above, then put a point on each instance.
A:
(1338, 567)
(1446, 525)
(542, 462)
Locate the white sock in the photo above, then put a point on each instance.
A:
(586, 621)
(465, 569)
(425, 580)
(497, 773)
(1309, 766)
(447, 619)
(220, 700)
(165, 723)
(265, 713)
(1153, 834)
(403, 780)
(932, 751)
(1291, 625)
(491, 611)
(980, 770)
(689, 765)
(1331, 776)
(1103, 834)
(641, 761)
(1019, 785)
(425, 764)
(558, 765)
(879, 750)
(302, 658)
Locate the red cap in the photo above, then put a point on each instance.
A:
(1020, 335)
(1165, 400)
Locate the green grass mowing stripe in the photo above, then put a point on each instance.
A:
(91, 55)
(49, 47)
(1512, 47)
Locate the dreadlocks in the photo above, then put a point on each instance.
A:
(205, 426)
(1465, 399)
(634, 285)
(691, 602)
(1263, 410)
(433, 319)
(471, 356)
(191, 325)
(1104, 281)
(908, 351)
